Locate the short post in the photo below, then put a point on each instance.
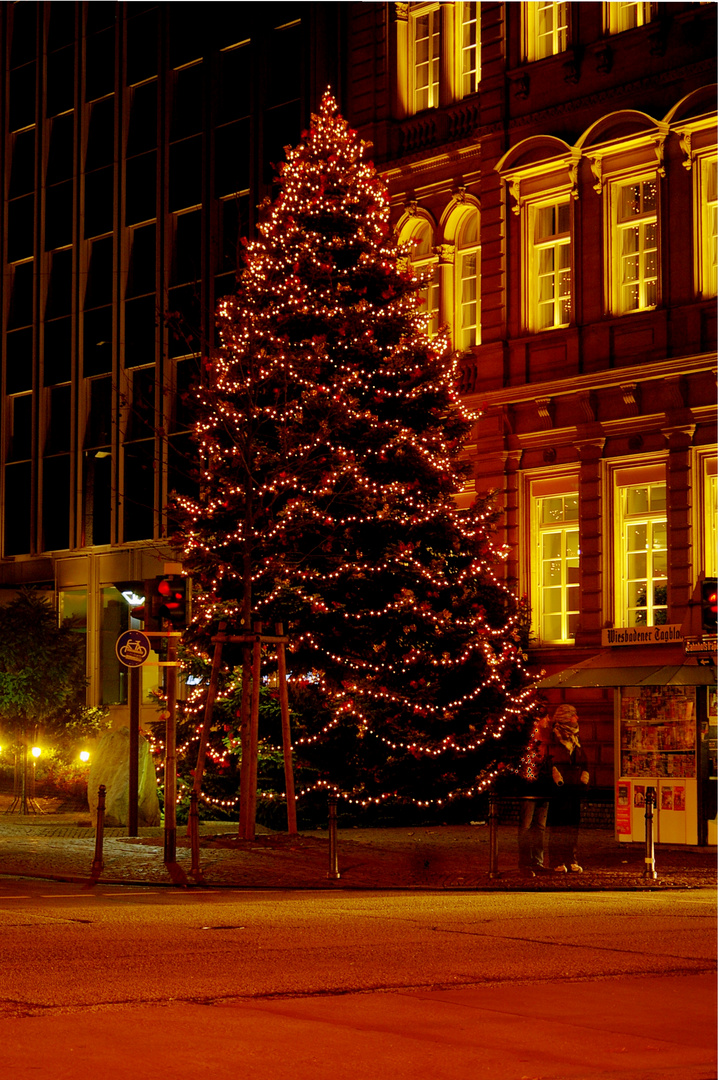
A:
(97, 862)
(333, 871)
(493, 838)
(649, 869)
(194, 832)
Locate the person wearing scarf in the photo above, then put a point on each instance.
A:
(567, 767)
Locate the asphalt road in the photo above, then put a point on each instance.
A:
(352, 985)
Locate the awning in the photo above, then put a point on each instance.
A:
(648, 665)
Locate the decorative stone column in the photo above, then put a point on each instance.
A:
(590, 514)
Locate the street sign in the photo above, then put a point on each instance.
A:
(132, 648)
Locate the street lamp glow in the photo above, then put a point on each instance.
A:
(36, 751)
(84, 755)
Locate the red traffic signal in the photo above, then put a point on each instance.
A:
(709, 605)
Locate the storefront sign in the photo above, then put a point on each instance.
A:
(623, 806)
(641, 635)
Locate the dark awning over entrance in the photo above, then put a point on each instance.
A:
(646, 665)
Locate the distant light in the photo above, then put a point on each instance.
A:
(84, 755)
(36, 751)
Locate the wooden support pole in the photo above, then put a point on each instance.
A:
(254, 735)
(286, 733)
(208, 707)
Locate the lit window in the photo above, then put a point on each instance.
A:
(636, 246)
(424, 260)
(710, 516)
(550, 250)
(708, 239)
(468, 49)
(467, 283)
(621, 16)
(425, 55)
(642, 569)
(555, 573)
(546, 29)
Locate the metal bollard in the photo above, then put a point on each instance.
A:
(649, 869)
(97, 862)
(333, 871)
(493, 838)
(194, 832)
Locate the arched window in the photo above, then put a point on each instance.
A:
(467, 329)
(419, 235)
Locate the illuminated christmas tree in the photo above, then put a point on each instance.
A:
(330, 436)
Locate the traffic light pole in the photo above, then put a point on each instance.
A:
(135, 684)
(170, 849)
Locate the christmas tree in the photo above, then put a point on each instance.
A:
(331, 437)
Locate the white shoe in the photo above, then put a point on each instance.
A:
(559, 869)
(575, 868)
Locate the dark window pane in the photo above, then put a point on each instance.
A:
(235, 226)
(99, 201)
(231, 158)
(60, 80)
(59, 296)
(186, 174)
(100, 15)
(99, 277)
(60, 158)
(235, 82)
(62, 25)
(58, 351)
(20, 228)
(100, 74)
(186, 262)
(140, 331)
(183, 478)
(99, 424)
(142, 135)
(141, 277)
(18, 495)
(97, 341)
(24, 26)
(187, 34)
(58, 215)
(21, 429)
(285, 49)
(21, 306)
(58, 436)
(56, 503)
(282, 127)
(184, 403)
(22, 97)
(22, 175)
(184, 320)
(139, 491)
(187, 105)
(101, 136)
(141, 190)
(18, 367)
(141, 421)
(224, 285)
(97, 491)
(141, 46)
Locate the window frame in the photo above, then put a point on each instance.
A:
(433, 87)
(560, 34)
(462, 252)
(532, 249)
(706, 226)
(431, 292)
(622, 478)
(460, 49)
(617, 229)
(539, 488)
(613, 11)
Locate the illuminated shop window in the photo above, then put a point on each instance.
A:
(466, 270)
(710, 516)
(635, 245)
(642, 563)
(555, 563)
(468, 48)
(425, 38)
(620, 16)
(545, 29)
(550, 255)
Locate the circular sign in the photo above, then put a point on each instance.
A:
(133, 648)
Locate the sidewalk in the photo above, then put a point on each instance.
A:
(61, 846)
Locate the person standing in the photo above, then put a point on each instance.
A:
(533, 807)
(567, 773)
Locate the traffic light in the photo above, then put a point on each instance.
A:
(170, 599)
(709, 605)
